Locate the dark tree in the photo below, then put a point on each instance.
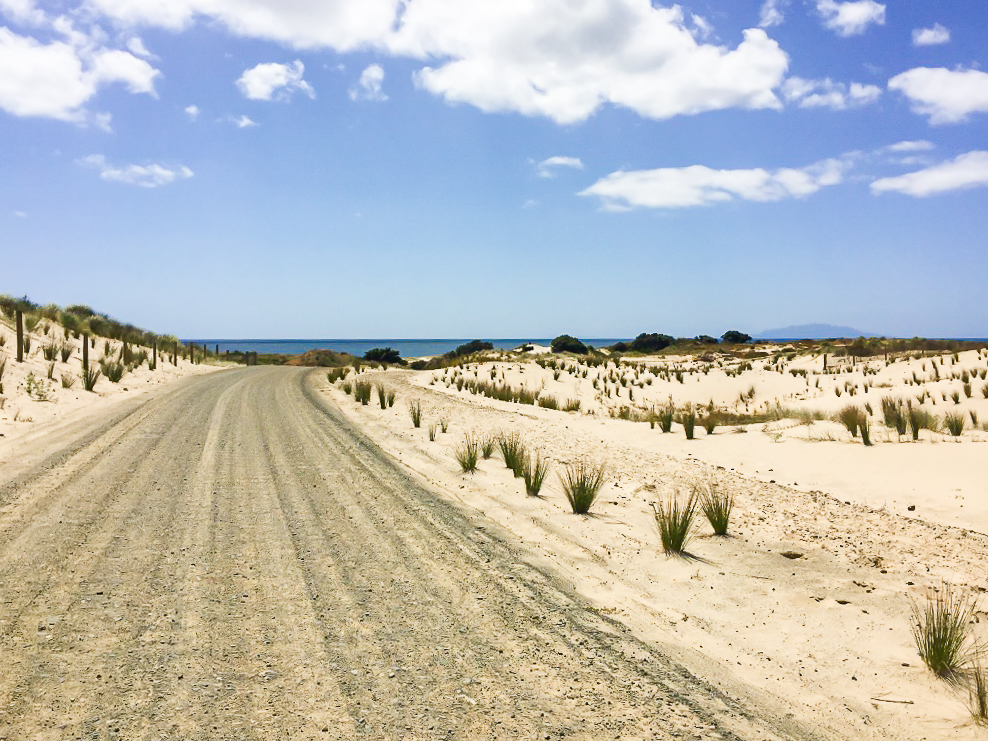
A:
(653, 342)
(565, 343)
(733, 337)
(705, 339)
(469, 348)
(384, 355)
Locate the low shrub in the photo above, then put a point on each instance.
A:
(362, 392)
(112, 370)
(487, 446)
(571, 405)
(548, 402)
(849, 416)
(582, 483)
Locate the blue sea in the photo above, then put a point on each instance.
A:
(406, 348)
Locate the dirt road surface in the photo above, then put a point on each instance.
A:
(232, 560)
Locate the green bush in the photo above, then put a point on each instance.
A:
(849, 416)
(941, 630)
(566, 343)
(384, 355)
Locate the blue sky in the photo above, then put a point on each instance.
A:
(508, 168)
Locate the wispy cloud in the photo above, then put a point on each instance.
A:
(965, 171)
(192, 111)
(772, 13)
(698, 185)
(144, 176)
(242, 122)
(829, 94)
(547, 168)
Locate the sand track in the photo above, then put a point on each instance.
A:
(233, 560)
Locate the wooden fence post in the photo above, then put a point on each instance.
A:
(20, 336)
(85, 352)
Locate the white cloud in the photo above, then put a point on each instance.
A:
(920, 145)
(554, 58)
(564, 60)
(242, 122)
(850, 18)
(20, 214)
(547, 167)
(369, 85)
(274, 81)
(771, 13)
(946, 96)
(192, 112)
(697, 185)
(56, 80)
(144, 176)
(966, 171)
(829, 94)
(22, 11)
(931, 36)
(343, 25)
(530, 203)
(137, 48)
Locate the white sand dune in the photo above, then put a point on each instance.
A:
(829, 632)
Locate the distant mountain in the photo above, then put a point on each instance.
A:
(812, 332)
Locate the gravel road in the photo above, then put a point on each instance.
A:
(232, 560)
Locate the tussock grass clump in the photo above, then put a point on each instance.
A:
(674, 519)
(984, 390)
(954, 422)
(979, 694)
(467, 453)
(967, 390)
(68, 380)
(432, 432)
(941, 629)
(336, 374)
(849, 416)
(864, 427)
(444, 424)
(391, 397)
(415, 411)
(571, 405)
(362, 392)
(50, 349)
(666, 417)
(548, 402)
(535, 470)
(716, 506)
(487, 446)
(919, 419)
(513, 452)
(581, 483)
(687, 418)
(382, 395)
(112, 370)
(346, 387)
(90, 376)
(710, 423)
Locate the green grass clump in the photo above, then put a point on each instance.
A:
(548, 402)
(709, 423)
(512, 450)
(444, 424)
(534, 472)
(665, 417)
(391, 397)
(979, 694)
(487, 446)
(864, 427)
(967, 390)
(467, 454)
(90, 376)
(336, 374)
(68, 380)
(716, 506)
(415, 411)
(674, 519)
(849, 416)
(432, 432)
(112, 370)
(954, 423)
(687, 418)
(571, 405)
(984, 391)
(362, 392)
(346, 387)
(581, 483)
(941, 628)
(382, 396)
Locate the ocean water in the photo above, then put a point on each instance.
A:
(408, 348)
